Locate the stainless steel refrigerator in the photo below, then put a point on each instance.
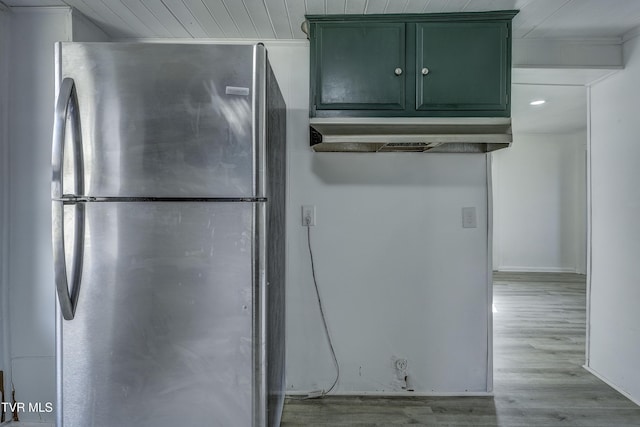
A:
(168, 199)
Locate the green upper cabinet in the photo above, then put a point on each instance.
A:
(462, 67)
(429, 65)
(350, 75)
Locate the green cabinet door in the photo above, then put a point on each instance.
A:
(358, 66)
(463, 67)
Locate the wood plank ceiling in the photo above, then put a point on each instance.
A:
(593, 20)
(281, 19)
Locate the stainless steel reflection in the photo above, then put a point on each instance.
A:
(181, 354)
(260, 386)
(173, 202)
(259, 120)
(164, 120)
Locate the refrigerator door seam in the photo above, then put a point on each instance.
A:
(82, 199)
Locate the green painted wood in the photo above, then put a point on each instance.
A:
(506, 15)
(355, 65)
(467, 63)
(468, 56)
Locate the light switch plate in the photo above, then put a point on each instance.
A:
(469, 218)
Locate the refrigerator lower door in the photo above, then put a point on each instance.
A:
(165, 326)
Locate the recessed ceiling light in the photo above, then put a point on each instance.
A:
(537, 102)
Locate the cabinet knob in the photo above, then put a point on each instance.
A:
(425, 71)
(398, 71)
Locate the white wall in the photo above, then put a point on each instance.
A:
(540, 204)
(28, 271)
(614, 334)
(4, 196)
(31, 291)
(398, 274)
(83, 30)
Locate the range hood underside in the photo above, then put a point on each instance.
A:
(432, 134)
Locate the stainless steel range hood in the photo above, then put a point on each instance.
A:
(404, 134)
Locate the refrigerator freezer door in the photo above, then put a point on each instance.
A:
(164, 324)
(167, 120)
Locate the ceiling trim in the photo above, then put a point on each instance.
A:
(272, 42)
(632, 34)
(550, 53)
(554, 76)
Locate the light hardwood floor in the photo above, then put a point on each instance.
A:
(539, 338)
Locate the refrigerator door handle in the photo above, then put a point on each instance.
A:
(67, 297)
(67, 109)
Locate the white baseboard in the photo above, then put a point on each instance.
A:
(25, 424)
(610, 384)
(536, 269)
(298, 393)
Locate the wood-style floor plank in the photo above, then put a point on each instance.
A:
(539, 338)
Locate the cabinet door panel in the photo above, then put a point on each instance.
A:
(355, 66)
(467, 65)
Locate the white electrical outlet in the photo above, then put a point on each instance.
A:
(308, 215)
(401, 365)
(469, 218)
